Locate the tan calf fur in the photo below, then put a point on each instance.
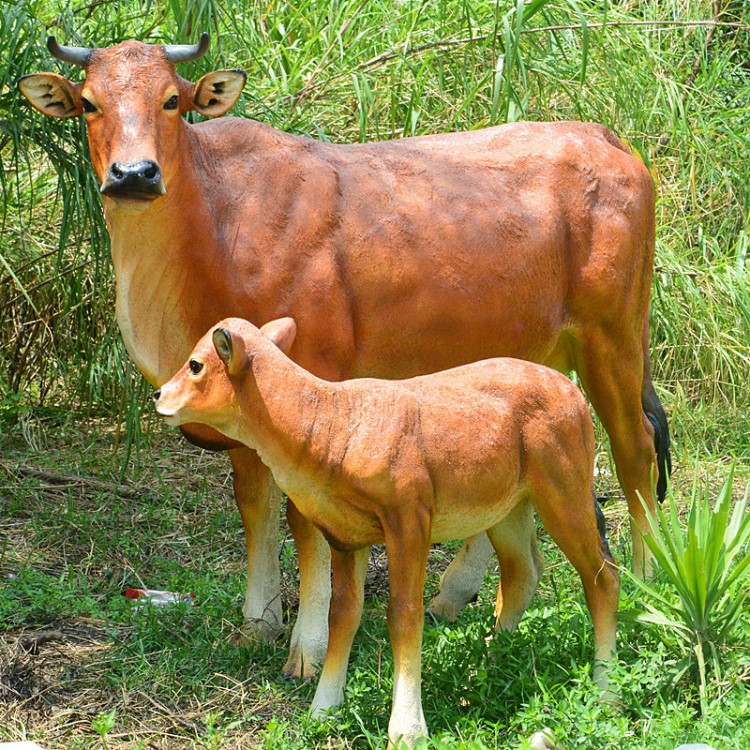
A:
(396, 259)
(437, 457)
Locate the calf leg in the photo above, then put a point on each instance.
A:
(349, 571)
(407, 544)
(521, 564)
(462, 579)
(569, 515)
(258, 500)
(310, 634)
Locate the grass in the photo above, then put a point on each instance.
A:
(175, 678)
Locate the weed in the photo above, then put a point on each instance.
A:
(707, 565)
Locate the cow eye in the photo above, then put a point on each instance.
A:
(172, 102)
(195, 366)
(87, 105)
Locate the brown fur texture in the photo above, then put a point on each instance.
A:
(406, 463)
(530, 240)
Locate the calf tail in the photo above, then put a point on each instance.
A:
(655, 414)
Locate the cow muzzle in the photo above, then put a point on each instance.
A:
(139, 181)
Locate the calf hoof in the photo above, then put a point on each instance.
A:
(259, 630)
(416, 738)
(544, 740)
(326, 703)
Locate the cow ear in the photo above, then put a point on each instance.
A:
(217, 92)
(52, 94)
(282, 332)
(231, 349)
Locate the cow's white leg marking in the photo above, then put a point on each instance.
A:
(310, 634)
(462, 579)
(259, 502)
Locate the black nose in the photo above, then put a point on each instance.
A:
(143, 178)
(156, 395)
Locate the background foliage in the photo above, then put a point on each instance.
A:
(676, 91)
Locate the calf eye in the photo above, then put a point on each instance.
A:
(195, 366)
(172, 102)
(87, 105)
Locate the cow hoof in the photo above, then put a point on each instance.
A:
(258, 630)
(443, 610)
(298, 669)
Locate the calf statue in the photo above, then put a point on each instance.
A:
(409, 462)
(396, 259)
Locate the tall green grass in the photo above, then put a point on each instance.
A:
(351, 71)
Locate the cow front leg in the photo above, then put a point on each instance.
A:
(258, 500)
(310, 633)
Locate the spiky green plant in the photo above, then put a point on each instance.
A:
(706, 566)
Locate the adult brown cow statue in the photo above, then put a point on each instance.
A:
(530, 240)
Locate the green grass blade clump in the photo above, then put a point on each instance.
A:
(706, 565)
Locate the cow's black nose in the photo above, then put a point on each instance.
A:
(143, 178)
(156, 395)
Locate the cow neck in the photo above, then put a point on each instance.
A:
(289, 417)
(159, 273)
(172, 227)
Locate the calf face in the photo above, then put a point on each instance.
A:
(205, 388)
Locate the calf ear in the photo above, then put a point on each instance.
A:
(52, 94)
(282, 332)
(231, 349)
(217, 92)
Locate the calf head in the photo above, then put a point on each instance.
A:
(132, 100)
(206, 390)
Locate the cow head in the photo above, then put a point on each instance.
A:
(133, 102)
(206, 390)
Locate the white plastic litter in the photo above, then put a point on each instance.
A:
(544, 740)
(155, 597)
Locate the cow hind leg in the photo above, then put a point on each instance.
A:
(521, 564)
(462, 579)
(611, 369)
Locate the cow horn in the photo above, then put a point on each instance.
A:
(177, 53)
(75, 55)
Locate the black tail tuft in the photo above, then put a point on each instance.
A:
(658, 418)
(601, 524)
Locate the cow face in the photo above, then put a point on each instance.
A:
(133, 102)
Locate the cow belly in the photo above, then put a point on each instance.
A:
(445, 333)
